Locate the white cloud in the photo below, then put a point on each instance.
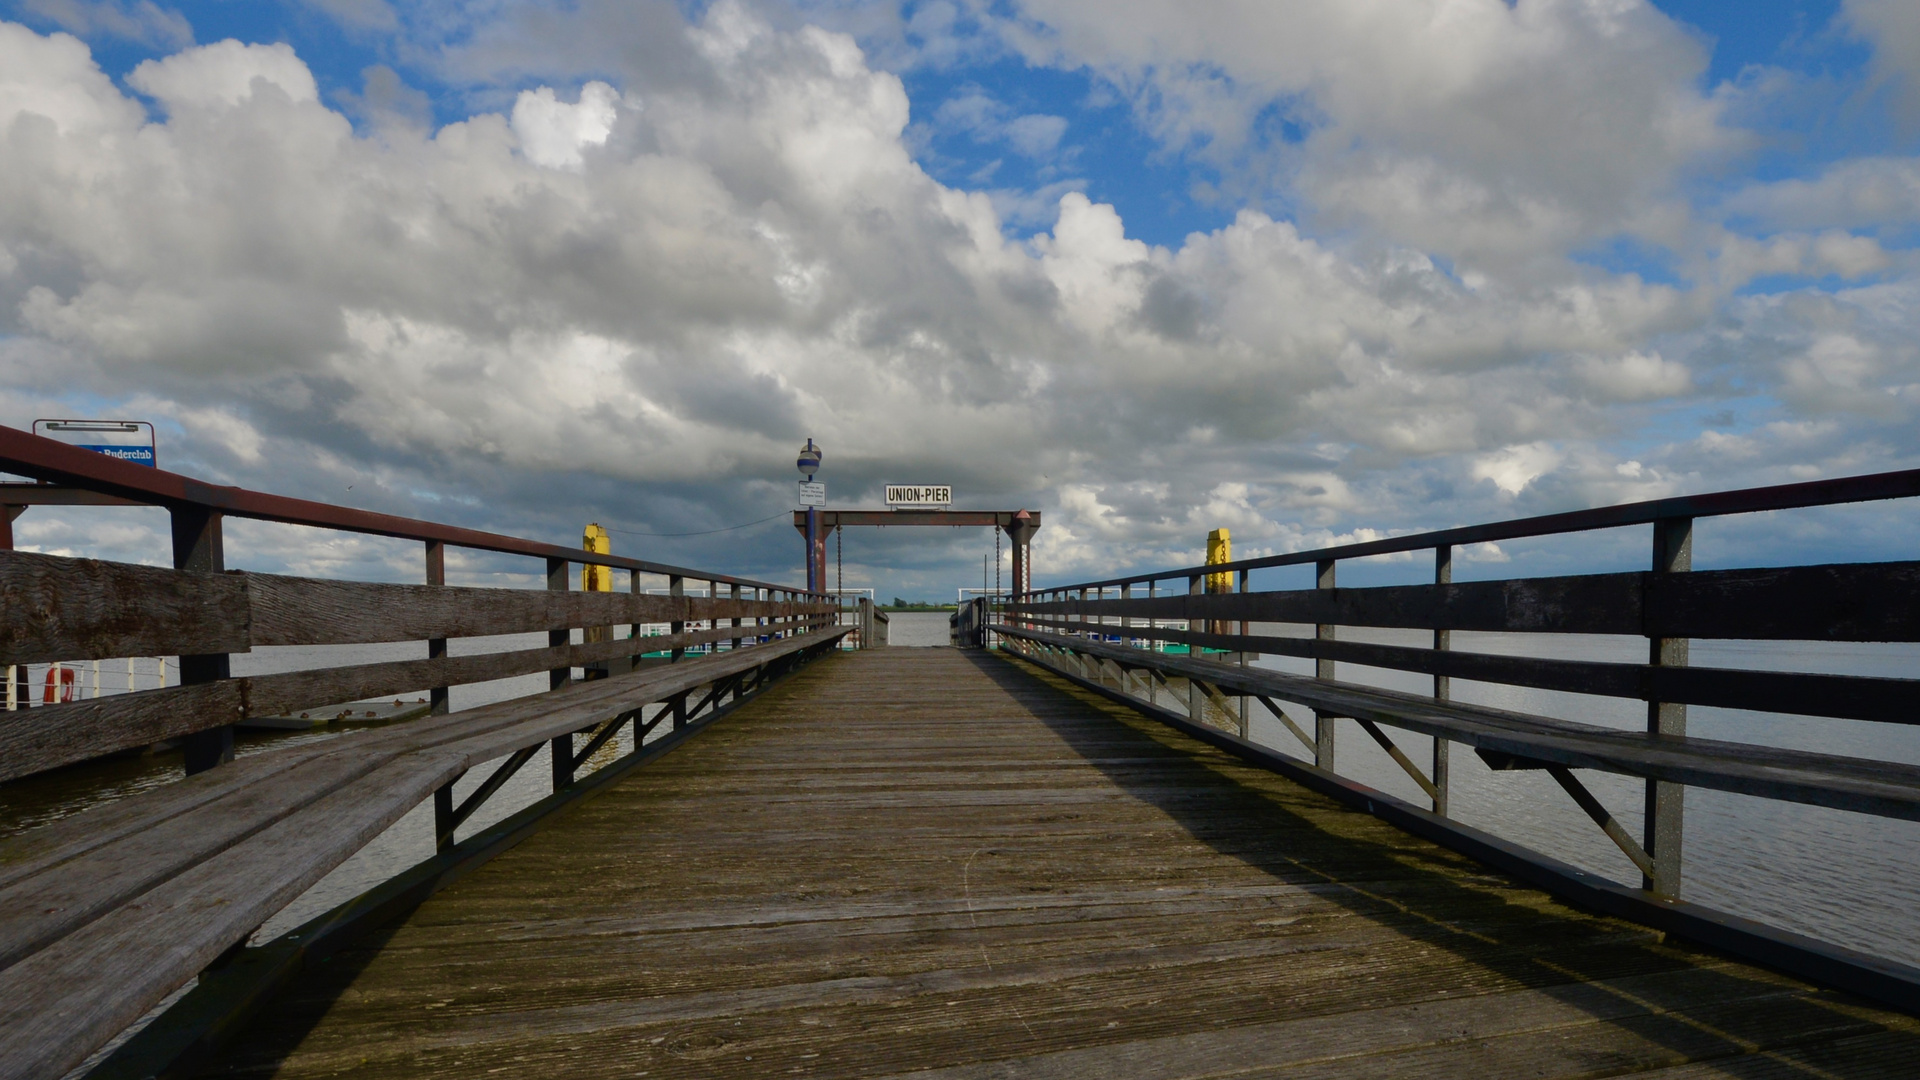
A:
(1490, 131)
(1634, 376)
(1893, 28)
(1514, 467)
(1858, 193)
(143, 21)
(224, 73)
(553, 132)
(973, 111)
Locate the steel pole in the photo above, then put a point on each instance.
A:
(813, 536)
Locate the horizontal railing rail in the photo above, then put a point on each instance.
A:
(1194, 654)
(25, 454)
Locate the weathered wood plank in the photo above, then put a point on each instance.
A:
(60, 609)
(308, 611)
(62, 894)
(65, 999)
(1839, 602)
(1852, 697)
(1115, 900)
(1887, 789)
(51, 736)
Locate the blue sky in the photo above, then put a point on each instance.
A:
(1304, 271)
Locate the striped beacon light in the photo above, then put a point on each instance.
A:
(809, 463)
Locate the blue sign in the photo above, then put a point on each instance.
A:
(139, 455)
(130, 441)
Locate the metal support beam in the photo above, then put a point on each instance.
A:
(1601, 817)
(1400, 757)
(1298, 731)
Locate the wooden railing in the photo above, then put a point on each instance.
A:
(1114, 636)
(112, 909)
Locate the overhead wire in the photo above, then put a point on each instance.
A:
(703, 532)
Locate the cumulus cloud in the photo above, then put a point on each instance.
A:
(643, 287)
(1893, 28)
(1484, 130)
(226, 73)
(554, 133)
(1853, 194)
(144, 21)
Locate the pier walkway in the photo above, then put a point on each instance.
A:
(949, 863)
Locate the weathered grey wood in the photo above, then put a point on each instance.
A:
(1840, 602)
(62, 1001)
(1886, 789)
(1853, 697)
(909, 863)
(51, 736)
(35, 740)
(62, 894)
(60, 609)
(307, 611)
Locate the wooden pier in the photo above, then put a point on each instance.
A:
(948, 863)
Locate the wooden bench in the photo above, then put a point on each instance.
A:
(1513, 739)
(110, 910)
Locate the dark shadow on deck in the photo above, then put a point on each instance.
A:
(1538, 950)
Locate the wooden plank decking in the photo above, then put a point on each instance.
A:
(927, 859)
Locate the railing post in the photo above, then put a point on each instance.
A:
(1153, 644)
(1666, 802)
(437, 647)
(633, 631)
(197, 546)
(734, 595)
(1323, 725)
(677, 589)
(1442, 684)
(562, 745)
(16, 673)
(1196, 697)
(438, 695)
(1246, 660)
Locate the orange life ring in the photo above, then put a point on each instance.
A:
(68, 684)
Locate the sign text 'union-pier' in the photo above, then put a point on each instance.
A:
(919, 495)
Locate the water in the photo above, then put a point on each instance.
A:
(1837, 876)
(919, 629)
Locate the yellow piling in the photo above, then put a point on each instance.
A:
(1219, 550)
(596, 578)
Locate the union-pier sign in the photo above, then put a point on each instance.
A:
(919, 495)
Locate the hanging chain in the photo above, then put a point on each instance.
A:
(996, 562)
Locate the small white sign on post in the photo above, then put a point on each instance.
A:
(814, 493)
(919, 495)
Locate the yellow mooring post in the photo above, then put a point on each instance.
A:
(596, 579)
(1219, 550)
